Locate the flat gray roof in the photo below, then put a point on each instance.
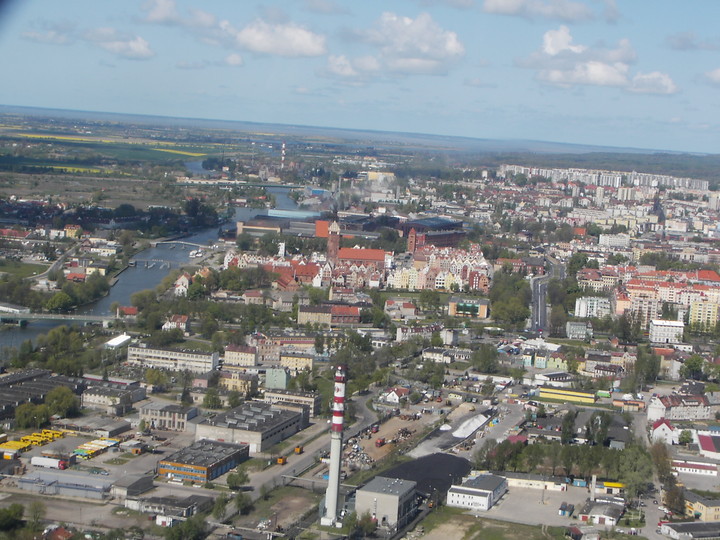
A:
(391, 486)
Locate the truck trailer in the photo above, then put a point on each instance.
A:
(50, 463)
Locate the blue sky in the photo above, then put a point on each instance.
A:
(643, 74)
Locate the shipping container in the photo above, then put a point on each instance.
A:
(50, 463)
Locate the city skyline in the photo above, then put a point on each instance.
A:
(587, 72)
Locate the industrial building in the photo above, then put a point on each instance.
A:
(391, 501)
(65, 484)
(254, 423)
(131, 486)
(203, 461)
(478, 492)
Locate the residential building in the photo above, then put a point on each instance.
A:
(297, 361)
(277, 378)
(177, 322)
(169, 417)
(114, 400)
(663, 431)
(173, 359)
(677, 407)
(478, 492)
(592, 306)
(239, 356)
(662, 331)
(243, 383)
(311, 400)
(578, 330)
(389, 501)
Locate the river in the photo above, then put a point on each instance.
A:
(143, 275)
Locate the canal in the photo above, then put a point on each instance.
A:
(151, 266)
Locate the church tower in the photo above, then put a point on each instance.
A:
(333, 243)
(412, 239)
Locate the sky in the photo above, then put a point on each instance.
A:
(621, 73)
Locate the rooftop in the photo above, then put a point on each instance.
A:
(205, 453)
(392, 486)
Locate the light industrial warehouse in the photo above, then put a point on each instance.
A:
(257, 424)
(203, 461)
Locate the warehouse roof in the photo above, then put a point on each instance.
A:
(205, 453)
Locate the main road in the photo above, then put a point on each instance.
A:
(539, 285)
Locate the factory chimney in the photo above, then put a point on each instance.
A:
(336, 433)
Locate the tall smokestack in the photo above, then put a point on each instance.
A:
(336, 433)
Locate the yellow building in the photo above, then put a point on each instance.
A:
(243, 383)
(704, 315)
(296, 361)
(701, 507)
(566, 394)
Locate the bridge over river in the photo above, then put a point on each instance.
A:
(71, 317)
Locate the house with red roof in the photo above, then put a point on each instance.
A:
(394, 395)
(663, 431)
(677, 407)
(177, 322)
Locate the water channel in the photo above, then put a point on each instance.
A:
(151, 266)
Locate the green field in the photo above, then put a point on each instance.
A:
(19, 269)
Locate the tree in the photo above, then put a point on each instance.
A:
(693, 367)
(662, 461)
(212, 399)
(243, 503)
(156, 377)
(142, 426)
(60, 301)
(192, 529)
(29, 415)
(234, 399)
(237, 478)
(685, 437)
(11, 517)
(61, 401)
(219, 507)
(366, 524)
(36, 513)
(635, 468)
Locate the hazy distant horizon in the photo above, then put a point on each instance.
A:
(445, 142)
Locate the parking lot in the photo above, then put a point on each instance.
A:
(533, 506)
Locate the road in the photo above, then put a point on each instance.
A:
(539, 285)
(272, 476)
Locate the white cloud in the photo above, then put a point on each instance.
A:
(52, 37)
(130, 47)
(557, 41)
(234, 60)
(341, 66)
(290, 40)
(713, 77)
(403, 46)
(653, 83)
(161, 12)
(408, 45)
(592, 73)
(564, 10)
(561, 62)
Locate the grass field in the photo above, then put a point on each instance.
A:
(19, 269)
(446, 522)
